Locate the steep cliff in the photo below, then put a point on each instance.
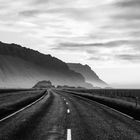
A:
(89, 75)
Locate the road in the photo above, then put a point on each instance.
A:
(62, 116)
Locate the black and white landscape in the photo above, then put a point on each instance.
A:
(42, 97)
(69, 70)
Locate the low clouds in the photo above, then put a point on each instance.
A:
(29, 13)
(106, 52)
(130, 57)
(107, 44)
(129, 3)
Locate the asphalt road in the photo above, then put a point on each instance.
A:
(62, 116)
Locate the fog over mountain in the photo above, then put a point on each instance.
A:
(89, 75)
(22, 67)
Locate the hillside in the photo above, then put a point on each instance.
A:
(89, 75)
(23, 67)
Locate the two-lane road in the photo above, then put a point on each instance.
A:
(61, 116)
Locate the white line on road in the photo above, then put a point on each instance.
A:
(9, 116)
(137, 121)
(69, 134)
(67, 103)
(68, 110)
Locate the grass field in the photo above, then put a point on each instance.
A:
(16, 99)
(131, 95)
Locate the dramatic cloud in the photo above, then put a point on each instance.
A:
(74, 25)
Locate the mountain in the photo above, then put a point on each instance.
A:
(22, 67)
(89, 75)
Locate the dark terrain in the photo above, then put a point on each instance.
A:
(61, 110)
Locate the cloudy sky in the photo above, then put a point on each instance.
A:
(102, 33)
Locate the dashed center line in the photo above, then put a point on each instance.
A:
(69, 134)
(68, 130)
(68, 110)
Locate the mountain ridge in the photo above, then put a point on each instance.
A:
(89, 75)
(20, 66)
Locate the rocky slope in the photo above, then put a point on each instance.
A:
(89, 75)
(22, 68)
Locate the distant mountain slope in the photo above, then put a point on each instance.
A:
(22, 67)
(89, 75)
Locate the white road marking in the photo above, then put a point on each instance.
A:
(137, 121)
(9, 116)
(67, 103)
(68, 110)
(69, 134)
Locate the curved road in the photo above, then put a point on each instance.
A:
(62, 116)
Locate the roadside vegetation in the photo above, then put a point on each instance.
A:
(15, 100)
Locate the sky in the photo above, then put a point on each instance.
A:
(104, 34)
